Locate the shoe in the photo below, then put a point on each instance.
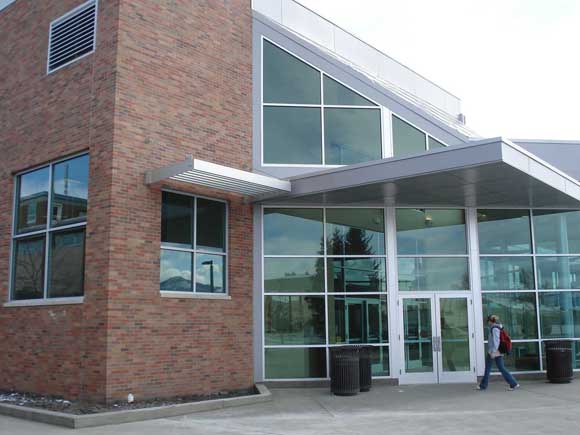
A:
(515, 387)
(478, 388)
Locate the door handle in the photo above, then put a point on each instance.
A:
(437, 344)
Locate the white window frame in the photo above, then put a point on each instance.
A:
(46, 232)
(194, 251)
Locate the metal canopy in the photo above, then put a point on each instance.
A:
(488, 173)
(220, 177)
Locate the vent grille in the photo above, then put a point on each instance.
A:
(72, 36)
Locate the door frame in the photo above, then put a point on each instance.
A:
(437, 375)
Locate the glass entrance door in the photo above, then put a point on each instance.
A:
(436, 334)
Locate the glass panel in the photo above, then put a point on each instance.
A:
(506, 273)
(287, 79)
(67, 264)
(211, 225)
(454, 335)
(32, 200)
(504, 231)
(292, 135)
(210, 273)
(557, 232)
(433, 274)
(434, 232)
(355, 231)
(352, 136)
(175, 270)
(176, 220)
(29, 268)
(70, 185)
(407, 139)
(336, 94)
(524, 357)
(516, 311)
(434, 143)
(356, 275)
(418, 335)
(294, 320)
(295, 363)
(558, 272)
(560, 314)
(380, 360)
(293, 231)
(300, 275)
(358, 319)
(575, 354)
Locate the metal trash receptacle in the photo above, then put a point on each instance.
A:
(344, 371)
(559, 361)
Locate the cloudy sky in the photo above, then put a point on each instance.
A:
(515, 64)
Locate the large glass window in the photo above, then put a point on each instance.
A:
(517, 313)
(558, 273)
(506, 273)
(407, 140)
(324, 284)
(557, 232)
(193, 244)
(504, 231)
(300, 115)
(433, 274)
(560, 314)
(57, 236)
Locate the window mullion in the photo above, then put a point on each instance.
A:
(194, 254)
(322, 118)
(47, 232)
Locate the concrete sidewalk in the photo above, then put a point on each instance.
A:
(538, 407)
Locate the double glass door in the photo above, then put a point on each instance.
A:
(437, 338)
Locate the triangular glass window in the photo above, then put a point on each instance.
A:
(339, 95)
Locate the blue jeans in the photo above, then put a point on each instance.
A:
(499, 363)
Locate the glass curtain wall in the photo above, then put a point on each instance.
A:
(324, 285)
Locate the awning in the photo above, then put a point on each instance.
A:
(488, 173)
(220, 177)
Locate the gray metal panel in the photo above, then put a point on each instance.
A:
(562, 154)
(257, 295)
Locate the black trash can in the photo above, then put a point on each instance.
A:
(344, 371)
(365, 370)
(559, 361)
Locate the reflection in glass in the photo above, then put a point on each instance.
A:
(287, 79)
(352, 136)
(433, 274)
(67, 260)
(295, 363)
(294, 320)
(504, 231)
(454, 335)
(506, 273)
(175, 270)
(524, 357)
(418, 335)
(176, 220)
(516, 311)
(380, 360)
(210, 273)
(557, 232)
(211, 225)
(32, 200)
(356, 275)
(430, 231)
(434, 143)
(300, 275)
(336, 94)
(558, 272)
(355, 231)
(357, 319)
(70, 185)
(292, 135)
(293, 231)
(407, 139)
(28, 268)
(560, 314)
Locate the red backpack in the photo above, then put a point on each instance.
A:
(505, 342)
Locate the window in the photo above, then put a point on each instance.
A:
(324, 285)
(409, 140)
(193, 244)
(72, 36)
(49, 231)
(311, 119)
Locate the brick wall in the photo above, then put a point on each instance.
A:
(56, 349)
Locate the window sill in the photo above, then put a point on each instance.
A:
(184, 295)
(45, 302)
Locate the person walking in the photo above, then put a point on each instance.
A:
(493, 354)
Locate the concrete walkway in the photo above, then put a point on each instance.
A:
(537, 407)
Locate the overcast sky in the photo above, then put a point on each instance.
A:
(515, 64)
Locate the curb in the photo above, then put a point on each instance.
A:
(131, 415)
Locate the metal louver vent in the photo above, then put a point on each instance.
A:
(72, 36)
